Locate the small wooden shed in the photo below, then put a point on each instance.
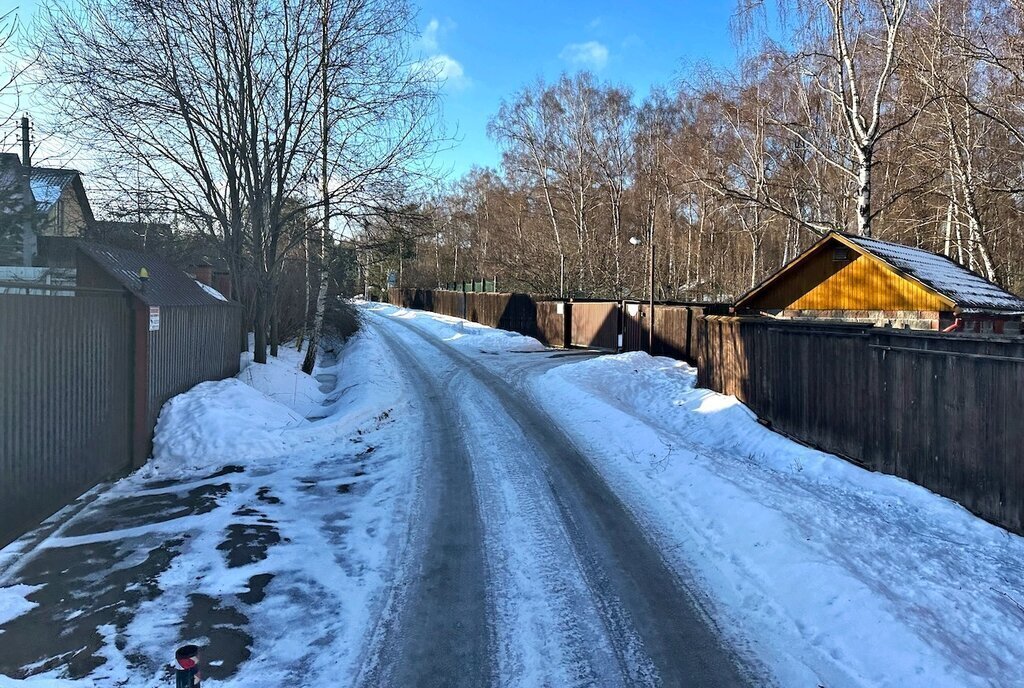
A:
(860, 279)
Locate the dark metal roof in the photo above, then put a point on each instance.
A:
(166, 286)
(961, 286)
(48, 184)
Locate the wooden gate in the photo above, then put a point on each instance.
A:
(595, 324)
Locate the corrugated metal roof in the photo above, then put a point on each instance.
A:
(964, 288)
(167, 285)
(48, 184)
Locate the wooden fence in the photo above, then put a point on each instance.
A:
(520, 313)
(941, 411)
(675, 328)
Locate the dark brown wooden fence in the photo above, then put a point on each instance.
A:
(675, 328)
(553, 319)
(522, 313)
(595, 324)
(941, 411)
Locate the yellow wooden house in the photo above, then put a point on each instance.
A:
(859, 279)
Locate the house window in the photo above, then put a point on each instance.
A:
(840, 254)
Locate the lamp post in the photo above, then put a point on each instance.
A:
(636, 241)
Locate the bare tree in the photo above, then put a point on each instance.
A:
(220, 103)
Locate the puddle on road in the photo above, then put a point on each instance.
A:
(247, 543)
(257, 589)
(220, 631)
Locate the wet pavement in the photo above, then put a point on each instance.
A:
(91, 590)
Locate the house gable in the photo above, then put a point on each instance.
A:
(837, 275)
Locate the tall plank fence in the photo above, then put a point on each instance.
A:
(940, 410)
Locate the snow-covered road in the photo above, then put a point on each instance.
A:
(447, 504)
(563, 588)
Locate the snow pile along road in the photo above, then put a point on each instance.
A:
(266, 537)
(221, 422)
(830, 574)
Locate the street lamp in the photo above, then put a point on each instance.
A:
(636, 241)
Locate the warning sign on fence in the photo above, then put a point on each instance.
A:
(154, 318)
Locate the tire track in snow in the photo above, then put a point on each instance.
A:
(647, 611)
(435, 630)
(549, 629)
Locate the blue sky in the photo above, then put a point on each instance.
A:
(492, 49)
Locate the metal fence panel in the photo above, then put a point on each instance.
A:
(65, 401)
(193, 344)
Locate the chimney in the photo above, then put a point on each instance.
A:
(204, 274)
(222, 283)
(26, 144)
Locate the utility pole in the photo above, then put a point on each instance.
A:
(26, 144)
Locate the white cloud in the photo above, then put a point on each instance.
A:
(429, 38)
(590, 54)
(439, 65)
(447, 69)
(434, 33)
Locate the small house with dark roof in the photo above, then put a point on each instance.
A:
(859, 279)
(185, 332)
(61, 200)
(42, 211)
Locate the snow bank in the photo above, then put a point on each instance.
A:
(216, 423)
(282, 380)
(248, 418)
(829, 574)
(463, 333)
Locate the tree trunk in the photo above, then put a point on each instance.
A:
(259, 326)
(321, 297)
(275, 334)
(864, 156)
(306, 324)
